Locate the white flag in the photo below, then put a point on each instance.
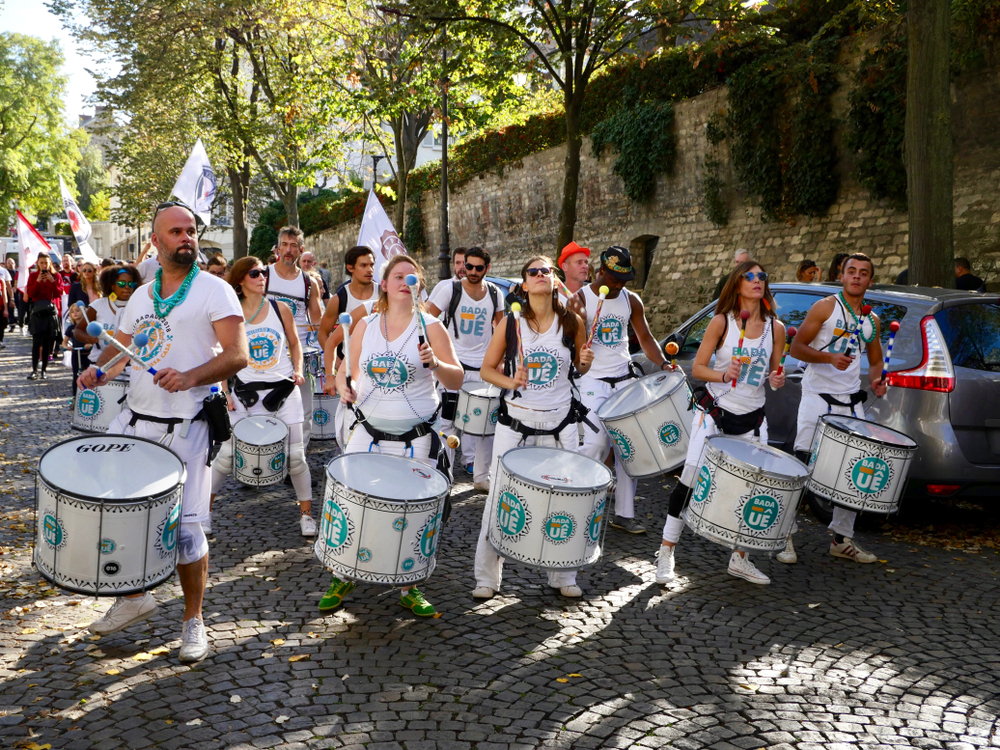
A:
(30, 245)
(378, 233)
(196, 185)
(79, 224)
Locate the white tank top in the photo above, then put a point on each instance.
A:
(353, 303)
(547, 361)
(269, 359)
(109, 316)
(294, 293)
(834, 336)
(395, 391)
(610, 343)
(749, 393)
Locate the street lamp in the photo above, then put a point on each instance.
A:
(444, 256)
(376, 158)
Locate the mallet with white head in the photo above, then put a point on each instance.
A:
(602, 294)
(95, 330)
(345, 323)
(138, 341)
(411, 282)
(515, 310)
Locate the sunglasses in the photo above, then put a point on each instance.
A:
(476, 268)
(535, 271)
(760, 275)
(127, 284)
(256, 273)
(169, 204)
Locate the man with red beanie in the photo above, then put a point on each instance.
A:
(574, 260)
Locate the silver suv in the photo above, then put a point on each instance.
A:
(944, 381)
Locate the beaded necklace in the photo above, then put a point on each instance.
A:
(854, 320)
(163, 307)
(262, 301)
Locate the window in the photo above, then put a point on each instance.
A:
(694, 335)
(793, 306)
(972, 333)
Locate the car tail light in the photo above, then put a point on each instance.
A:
(935, 371)
(940, 490)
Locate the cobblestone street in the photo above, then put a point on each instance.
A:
(902, 653)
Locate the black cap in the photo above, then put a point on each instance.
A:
(617, 261)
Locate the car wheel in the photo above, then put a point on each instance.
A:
(820, 506)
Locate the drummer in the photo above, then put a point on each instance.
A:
(471, 308)
(394, 400)
(832, 383)
(359, 263)
(612, 368)
(267, 385)
(534, 410)
(117, 285)
(721, 408)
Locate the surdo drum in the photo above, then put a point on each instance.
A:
(108, 514)
(312, 361)
(260, 451)
(860, 465)
(94, 409)
(648, 422)
(548, 508)
(324, 416)
(476, 412)
(381, 518)
(746, 494)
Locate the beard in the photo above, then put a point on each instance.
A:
(183, 255)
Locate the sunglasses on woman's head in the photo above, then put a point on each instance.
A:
(256, 273)
(750, 275)
(126, 284)
(543, 271)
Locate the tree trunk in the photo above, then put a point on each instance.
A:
(291, 201)
(928, 144)
(239, 182)
(571, 174)
(402, 173)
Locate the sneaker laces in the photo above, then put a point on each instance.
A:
(119, 602)
(194, 631)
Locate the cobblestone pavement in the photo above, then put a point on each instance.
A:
(902, 653)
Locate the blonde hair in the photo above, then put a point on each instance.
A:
(382, 305)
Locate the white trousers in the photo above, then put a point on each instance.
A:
(306, 394)
(489, 565)
(811, 408)
(479, 449)
(594, 393)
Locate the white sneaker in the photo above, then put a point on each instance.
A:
(206, 526)
(194, 641)
(307, 524)
(851, 550)
(741, 567)
(482, 487)
(573, 592)
(788, 555)
(483, 592)
(124, 612)
(665, 564)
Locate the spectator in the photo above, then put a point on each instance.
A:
(43, 290)
(324, 271)
(458, 263)
(87, 290)
(574, 261)
(965, 279)
(307, 262)
(903, 279)
(6, 302)
(742, 255)
(107, 263)
(808, 272)
(217, 266)
(21, 306)
(838, 261)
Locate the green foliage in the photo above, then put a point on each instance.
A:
(63, 228)
(643, 134)
(100, 206)
(715, 128)
(91, 177)
(713, 200)
(413, 232)
(265, 234)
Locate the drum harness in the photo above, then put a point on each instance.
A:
(249, 393)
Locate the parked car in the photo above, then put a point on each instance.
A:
(944, 381)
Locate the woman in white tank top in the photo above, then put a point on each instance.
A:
(539, 397)
(720, 361)
(393, 390)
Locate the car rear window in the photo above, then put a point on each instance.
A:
(972, 333)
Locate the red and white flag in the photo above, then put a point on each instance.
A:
(30, 245)
(79, 224)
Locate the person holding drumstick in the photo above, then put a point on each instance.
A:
(537, 408)
(747, 352)
(830, 340)
(394, 399)
(268, 385)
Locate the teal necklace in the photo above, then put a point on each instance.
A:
(854, 320)
(163, 307)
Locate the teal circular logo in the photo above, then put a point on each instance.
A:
(321, 417)
(703, 486)
(610, 331)
(594, 522)
(108, 546)
(559, 528)
(262, 349)
(542, 367)
(400, 524)
(52, 531)
(240, 463)
(494, 415)
(510, 514)
(408, 564)
(171, 529)
(278, 462)
(89, 404)
(623, 444)
(477, 411)
(429, 536)
(760, 512)
(336, 524)
(387, 372)
(669, 433)
(364, 555)
(870, 475)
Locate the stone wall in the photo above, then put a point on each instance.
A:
(679, 252)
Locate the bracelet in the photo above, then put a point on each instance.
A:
(665, 364)
(437, 364)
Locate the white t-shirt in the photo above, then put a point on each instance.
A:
(148, 268)
(185, 339)
(109, 315)
(4, 274)
(473, 322)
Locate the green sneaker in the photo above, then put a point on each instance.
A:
(335, 595)
(415, 602)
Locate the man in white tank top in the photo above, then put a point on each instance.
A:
(479, 310)
(826, 340)
(610, 370)
(359, 262)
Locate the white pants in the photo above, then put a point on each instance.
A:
(811, 408)
(306, 397)
(594, 393)
(489, 565)
(479, 449)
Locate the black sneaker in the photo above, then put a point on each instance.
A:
(628, 525)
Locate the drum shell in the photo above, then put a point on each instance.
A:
(371, 539)
(324, 416)
(654, 439)
(476, 414)
(94, 409)
(735, 505)
(260, 465)
(551, 527)
(847, 468)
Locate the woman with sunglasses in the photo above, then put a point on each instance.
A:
(720, 362)
(87, 290)
(117, 285)
(554, 338)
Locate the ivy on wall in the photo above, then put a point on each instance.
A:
(413, 232)
(712, 193)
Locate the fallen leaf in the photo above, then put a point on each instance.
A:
(252, 570)
(278, 641)
(112, 671)
(561, 679)
(298, 657)
(312, 635)
(142, 656)
(169, 721)
(236, 699)
(281, 720)
(36, 746)
(813, 606)
(437, 615)
(194, 723)
(27, 631)
(574, 675)
(73, 603)
(751, 688)
(883, 561)
(160, 650)
(890, 570)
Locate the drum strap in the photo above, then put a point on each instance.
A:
(633, 372)
(470, 368)
(577, 413)
(855, 398)
(249, 393)
(729, 423)
(407, 438)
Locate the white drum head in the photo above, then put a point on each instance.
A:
(111, 467)
(391, 478)
(310, 351)
(555, 468)
(870, 431)
(260, 430)
(758, 456)
(483, 390)
(641, 394)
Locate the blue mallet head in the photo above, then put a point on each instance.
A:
(140, 340)
(95, 329)
(345, 318)
(80, 304)
(411, 279)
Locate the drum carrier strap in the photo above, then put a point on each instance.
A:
(633, 372)
(249, 393)
(729, 423)
(215, 413)
(855, 398)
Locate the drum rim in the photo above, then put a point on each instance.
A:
(397, 501)
(463, 389)
(644, 407)
(91, 592)
(261, 416)
(560, 487)
(89, 498)
(750, 467)
(825, 420)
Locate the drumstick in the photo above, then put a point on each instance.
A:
(95, 330)
(138, 342)
(515, 310)
(411, 281)
(865, 309)
(671, 349)
(893, 327)
(345, 322)
(597, 315)
(452, 440)
(744, 317)
(790, 333)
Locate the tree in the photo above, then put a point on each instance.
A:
(36, 146)
(91, 177)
